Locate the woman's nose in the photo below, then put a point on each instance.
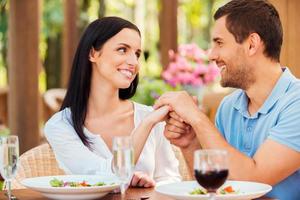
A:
(132, 59)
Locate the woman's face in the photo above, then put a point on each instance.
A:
(118, 61)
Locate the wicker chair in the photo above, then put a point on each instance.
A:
(39, 161)
(183, 168)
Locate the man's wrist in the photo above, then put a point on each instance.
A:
(194, 145)
(196, 119)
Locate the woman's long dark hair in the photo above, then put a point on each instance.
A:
(96, 34)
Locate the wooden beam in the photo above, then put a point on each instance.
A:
(168, 29)
(70, 39)
(23, 55)
(293, 35)
(288, 11)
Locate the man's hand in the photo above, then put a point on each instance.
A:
(178, 132)
(180, 102)
(141, 179)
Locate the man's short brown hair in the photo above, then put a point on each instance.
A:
(244, 17)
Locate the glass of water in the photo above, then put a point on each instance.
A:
(9, 154)
(123, 162)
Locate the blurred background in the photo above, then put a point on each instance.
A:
(38, 39)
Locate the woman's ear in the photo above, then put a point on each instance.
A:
(94, 55)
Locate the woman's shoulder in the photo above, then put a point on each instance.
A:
(142, 107)
(60, 117)
(60, 120)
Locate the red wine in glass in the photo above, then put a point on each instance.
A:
(211, 180)
(211, 169)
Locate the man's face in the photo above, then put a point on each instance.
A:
(230, 57)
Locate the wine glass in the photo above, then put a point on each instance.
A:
(123, 162)
(211, 169)
(9, 154)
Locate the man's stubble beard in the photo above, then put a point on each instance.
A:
(241, 77)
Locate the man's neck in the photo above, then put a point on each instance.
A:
(266, 79)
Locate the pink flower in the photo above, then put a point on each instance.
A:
(190, 66)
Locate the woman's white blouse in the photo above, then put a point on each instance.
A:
(157, 158)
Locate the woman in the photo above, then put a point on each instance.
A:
(96, 108)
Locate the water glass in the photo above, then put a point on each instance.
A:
(123, 160)
(9, 154)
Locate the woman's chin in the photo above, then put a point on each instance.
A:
(124, 86)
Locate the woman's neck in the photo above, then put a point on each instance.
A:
(103, 99)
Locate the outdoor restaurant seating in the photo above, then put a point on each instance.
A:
(38, 161)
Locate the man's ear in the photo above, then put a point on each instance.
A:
(93, 55)
(254, 44)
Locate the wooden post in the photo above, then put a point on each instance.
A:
(70, 39)
(168, 29)
(289, 11)
(23, 62)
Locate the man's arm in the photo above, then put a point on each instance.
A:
(272, 162)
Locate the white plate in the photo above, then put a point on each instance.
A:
(42, 184)
(247, 190)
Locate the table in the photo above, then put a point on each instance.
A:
(131, 194)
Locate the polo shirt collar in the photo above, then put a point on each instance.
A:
(282, 85)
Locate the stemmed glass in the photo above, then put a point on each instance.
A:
(123, 162)
(9, 154)
(211, 169)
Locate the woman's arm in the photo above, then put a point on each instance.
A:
(142, 132)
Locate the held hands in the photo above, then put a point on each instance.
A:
(141, 179)
(184, 109)
(158, 115)
(178, 132)
(180, 102)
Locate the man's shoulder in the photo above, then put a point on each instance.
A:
(292, 95)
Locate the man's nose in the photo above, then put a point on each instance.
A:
(212, 55)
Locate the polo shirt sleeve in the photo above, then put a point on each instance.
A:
(287, 129)
(219, 118)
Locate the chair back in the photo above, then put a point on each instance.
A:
(211, 102)
(39, 161)
(53, 99)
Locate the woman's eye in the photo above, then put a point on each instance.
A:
(122, 50)
(138, 54)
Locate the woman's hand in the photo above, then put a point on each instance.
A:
(159, 115)
(141, 179)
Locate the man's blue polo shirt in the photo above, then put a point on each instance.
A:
(278, 119)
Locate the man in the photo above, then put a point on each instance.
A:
(258, 124)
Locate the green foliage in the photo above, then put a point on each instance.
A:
(4, 131)
(149, 89)
(52, 18)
